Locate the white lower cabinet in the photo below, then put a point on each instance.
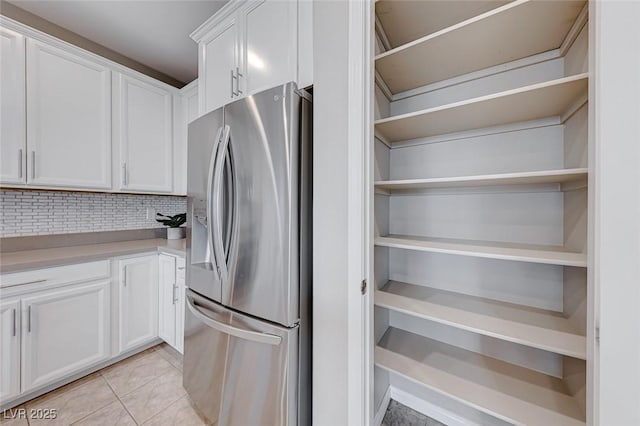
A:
(138, 301)
(167, 298)
(61, 321)
(181, 289)
(9, 349)
(171, 300)
(64, 331)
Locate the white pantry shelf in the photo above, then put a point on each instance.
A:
(551, 255)
(518, 178)
(514, 31)
(506, 391)
(406, 21)
(537, 328)
(548, 99)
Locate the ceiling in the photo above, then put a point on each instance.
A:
(154, 33)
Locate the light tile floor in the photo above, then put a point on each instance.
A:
(145, 389)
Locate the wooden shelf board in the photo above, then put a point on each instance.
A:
(504, 34)
(405, 21)
(548, 99)
(506, 391)
(518, 178)
(552, 255)
(538, 328)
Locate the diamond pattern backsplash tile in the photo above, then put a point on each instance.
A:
(25, 213)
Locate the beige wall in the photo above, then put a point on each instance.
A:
(27, 18)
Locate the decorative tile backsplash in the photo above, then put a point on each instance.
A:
(55, 212)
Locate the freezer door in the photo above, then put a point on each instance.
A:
(239, 371)
(203, 142)
(261, 275)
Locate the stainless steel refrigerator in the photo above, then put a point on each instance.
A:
(247, 322)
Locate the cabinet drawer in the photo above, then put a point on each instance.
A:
(58, 275)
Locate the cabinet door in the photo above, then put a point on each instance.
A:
(269, 48)
(167, 298)
(64, 331)
(138, 313)
(218, 58)
(10, 349)
(12, 108)
(68, 119)
(180, 300)
(144, 128)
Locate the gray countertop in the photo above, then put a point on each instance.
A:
(49, 257)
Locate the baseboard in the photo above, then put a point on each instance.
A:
(428, 409)
(382, 408)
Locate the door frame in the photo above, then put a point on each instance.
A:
(343, 118)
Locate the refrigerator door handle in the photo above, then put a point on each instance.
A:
(254, 336)
(209, 206)
(218, 243)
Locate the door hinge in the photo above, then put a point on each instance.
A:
(363, 287)
(597, 335)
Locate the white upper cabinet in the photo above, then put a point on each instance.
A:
(218, 65)
(143, 125)
(248, 47)
(64, 331)
(12, 108)
(9, 349)
(68, 119)
(138, 301)
(268, 45)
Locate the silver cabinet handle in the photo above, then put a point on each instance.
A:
(29, 319)
(174, 297)
(180, 268)
(270, 339)
(33, 164)
(124, 277)
(232, 78)
(238, 75)
(20, 163)
(15, 325)
(124, 173)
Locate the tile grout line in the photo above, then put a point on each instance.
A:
(93, 412)
(153, 349)
(120, 400)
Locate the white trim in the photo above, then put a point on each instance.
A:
(227, 10)
(78, 51)
(360, 127)
(186, 90)
(382, 408)
(383, 86)
(574, 32)
(428, 409)
(593, 199)
(379, 30)
(613, 371)
(574, 108)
